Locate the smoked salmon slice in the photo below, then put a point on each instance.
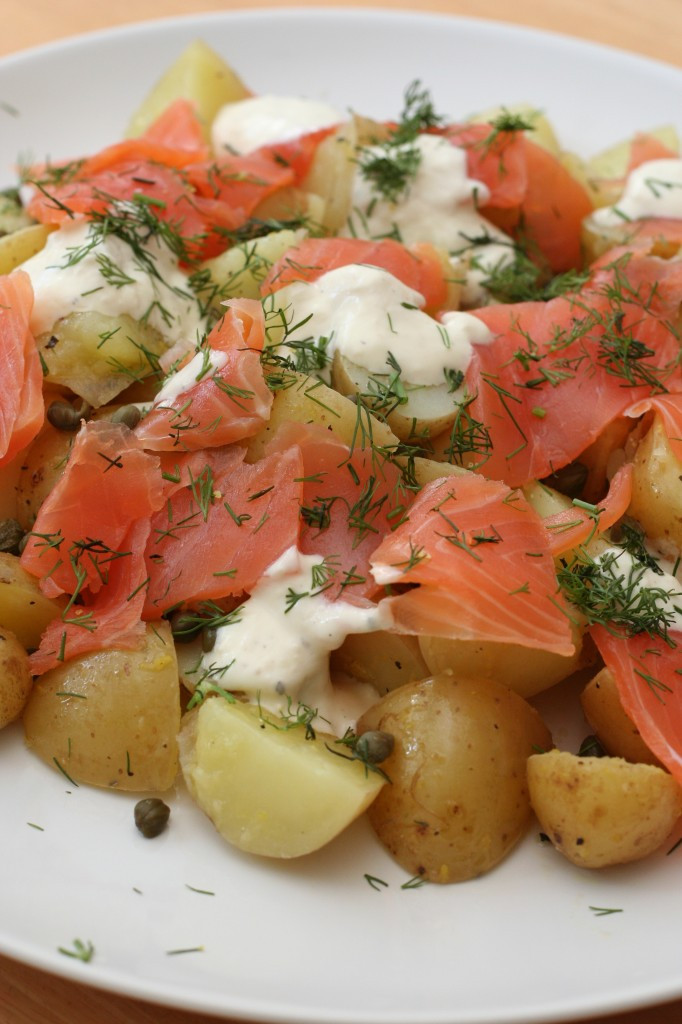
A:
(480, 559)
(22, 409)
(578, 524)
(222, 402)
(216, 537)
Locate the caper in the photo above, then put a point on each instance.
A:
(374, 746)
(591, 747)
(151, 816)
(184, 626)
(570, 479)
(208, 638)
(129, 415)
(63, 416)
(11, 536)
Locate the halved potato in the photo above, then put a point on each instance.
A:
(385, 660)
(24, 609)
(15, 678)
(270, 790)
(600, 811)
(111, 718)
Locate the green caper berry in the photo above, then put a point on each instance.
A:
(591, 747)
(374, 746)
(11, 536)
(63, 416)
(184, 627)
(129, 415)
(209, 635)
(151, 816)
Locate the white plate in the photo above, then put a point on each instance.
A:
(310, 940)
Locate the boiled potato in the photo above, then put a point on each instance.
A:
(20, 245)
(331, 176)
(608, 169)
(42, 465)
(97, 356)
(241, 269)
(15, 678)
(541, 130)
(267, 789)
(198, 75)
(600, 811)
(612, 726)
(523, 670)
(24, 609)
(111, 718)
(427, 412)
(656, 493)
(302, 399)
(458, 801)
(384, 660)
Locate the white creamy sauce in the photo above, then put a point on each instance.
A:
(274, 653)
(261, 120)
(621, 565)
(437, 206)
(200, 367)
(365, 313)
(654, 189)
(69, 276)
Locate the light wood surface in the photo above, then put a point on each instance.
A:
(654, 28)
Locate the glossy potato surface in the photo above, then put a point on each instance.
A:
(618, 734)
(111, 718)
(458, 799)
(24, 609)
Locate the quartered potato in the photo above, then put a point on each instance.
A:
(458, 799)
(198, 75)
(600, 811)
(270, 789)
(98, 356)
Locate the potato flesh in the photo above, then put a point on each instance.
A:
(198, 75)
(656, 493)
(15, 678)
(111, 718)
(241, 269)
(269, 791)
(601, 811)
(97, 356)
(458, 799)
(20, 245)
(42, 466)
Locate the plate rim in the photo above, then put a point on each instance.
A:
(108, 979)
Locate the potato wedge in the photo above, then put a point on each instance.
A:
(198, 75)
(458, 801)
(656, 493)
(267, 789)
(613, 728)
(600, 811)
(331, 176)
(302, 399)
(42, 465)
(20, 245)
(385, 660)
(241, 269)
(24, 609)
(15, 678)
(111, 718)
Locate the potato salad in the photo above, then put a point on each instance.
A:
(328, 444)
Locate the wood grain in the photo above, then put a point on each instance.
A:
(28, 996)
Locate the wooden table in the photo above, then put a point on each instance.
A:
(28, 996)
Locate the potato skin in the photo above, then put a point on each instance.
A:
(618, 734)
(15, 678)
(656, 493)
(459, 799)
(111, 718)
(601, 811)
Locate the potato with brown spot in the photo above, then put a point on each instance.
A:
(600, 811)
(458, 800)
(617, 733)
(15, 678)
